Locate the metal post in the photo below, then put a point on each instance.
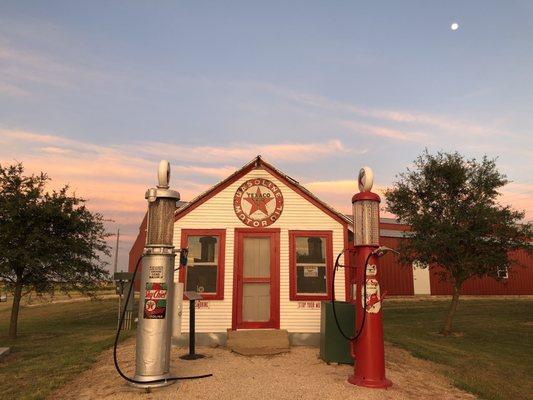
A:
(192, 296)
(122, 284)
(192, 333)
(115, 263)
(119, 308)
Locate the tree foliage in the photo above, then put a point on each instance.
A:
(48, 240)
(451, 204)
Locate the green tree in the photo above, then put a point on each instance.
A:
(451, 204)
(48, 240)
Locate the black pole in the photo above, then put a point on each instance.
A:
(192, 332)
(192, 328)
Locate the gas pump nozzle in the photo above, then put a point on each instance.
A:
(382, 250)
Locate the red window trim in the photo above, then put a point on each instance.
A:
(328, 235)
(221, 233)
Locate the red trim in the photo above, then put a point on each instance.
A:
(365, 196)
(257, 163)
(221, 233)
(328, 235)
(240, 234)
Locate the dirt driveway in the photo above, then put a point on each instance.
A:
(296, 375)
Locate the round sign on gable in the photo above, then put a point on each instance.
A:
(365, 179)
(258, 202)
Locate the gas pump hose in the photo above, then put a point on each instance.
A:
(117, 367)
(360, 330)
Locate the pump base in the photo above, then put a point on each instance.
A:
(148, 384)
(192, 356)
(370, 383)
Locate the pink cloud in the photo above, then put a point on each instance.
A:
(338, 109)
(114, 178)
(293, 152)
(520, 197)
(338, 194)
(384, 131)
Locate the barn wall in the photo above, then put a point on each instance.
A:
(298, 214)
(519, 282)
(396, 279)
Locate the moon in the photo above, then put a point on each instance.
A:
(454, 26)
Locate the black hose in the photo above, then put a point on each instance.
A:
(360, 330)
(169, 379)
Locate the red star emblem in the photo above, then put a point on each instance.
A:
(258, 202)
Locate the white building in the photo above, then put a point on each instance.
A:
(261, 253)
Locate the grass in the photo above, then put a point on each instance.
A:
(55, 342)
(491, 353)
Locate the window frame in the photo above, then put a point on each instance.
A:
(221, 234)
(328, 236)
(500, 270)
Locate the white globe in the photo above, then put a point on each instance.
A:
(454, 26)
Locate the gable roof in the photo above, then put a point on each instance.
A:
(259, 163)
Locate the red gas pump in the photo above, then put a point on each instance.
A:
(369, 348)
(363, 270)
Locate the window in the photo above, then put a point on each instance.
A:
(419, 264)
(311, 264)
(503, 273)
(205, 262)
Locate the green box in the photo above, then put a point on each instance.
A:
(333, 346)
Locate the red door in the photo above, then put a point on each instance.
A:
(256, 279)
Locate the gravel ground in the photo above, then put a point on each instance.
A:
(295, 375)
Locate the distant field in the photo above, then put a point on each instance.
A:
(492, 353)
(55, 342)
(35, 299)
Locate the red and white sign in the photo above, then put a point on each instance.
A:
(309, 304)
(372, 303)
(157, 294)
(258, 202)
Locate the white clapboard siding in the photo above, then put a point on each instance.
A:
(298, 214)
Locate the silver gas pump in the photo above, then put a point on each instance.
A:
(154, 330)
(157, 302)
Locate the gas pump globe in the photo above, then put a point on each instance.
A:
(366, 211)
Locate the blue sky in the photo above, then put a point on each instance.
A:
(95, 93)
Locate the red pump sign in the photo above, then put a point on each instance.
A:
(155, 300)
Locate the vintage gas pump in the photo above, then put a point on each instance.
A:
(367, 347)
(154, 330)
(157, 303)
(363, 272)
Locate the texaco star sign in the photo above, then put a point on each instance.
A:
(258, 202)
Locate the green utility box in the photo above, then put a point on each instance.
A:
(333, 346)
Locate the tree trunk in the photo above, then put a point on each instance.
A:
(451, 312)
(15, 310)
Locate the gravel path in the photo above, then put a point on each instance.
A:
(295, 375)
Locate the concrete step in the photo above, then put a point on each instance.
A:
(258, 342)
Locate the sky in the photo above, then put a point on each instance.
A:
(96, 93)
